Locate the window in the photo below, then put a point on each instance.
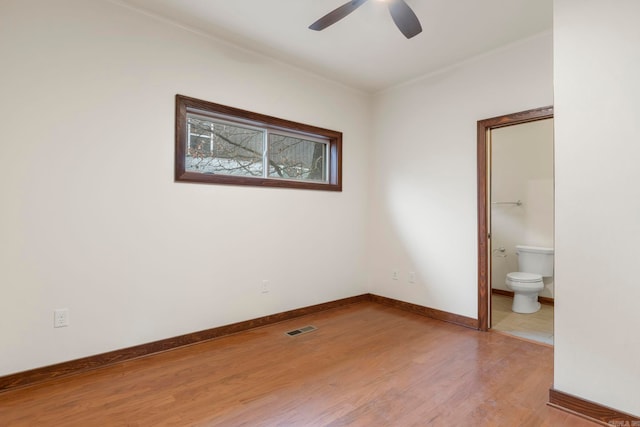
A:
(224, 145)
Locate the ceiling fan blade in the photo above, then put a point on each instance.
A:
(336, 15)
(406, 21)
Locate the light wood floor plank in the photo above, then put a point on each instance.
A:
(366, 365)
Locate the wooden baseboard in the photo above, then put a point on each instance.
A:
(39, 375)
(591, 410)
(557, 399)
(85, 364)
(467, 322)
(541, 300)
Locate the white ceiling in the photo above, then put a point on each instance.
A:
(365, 50)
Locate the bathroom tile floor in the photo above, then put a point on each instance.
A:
(535, 326)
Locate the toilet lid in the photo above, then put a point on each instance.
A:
(521, 277)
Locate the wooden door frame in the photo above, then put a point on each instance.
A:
(484, 127)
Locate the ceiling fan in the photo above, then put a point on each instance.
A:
(406, 21)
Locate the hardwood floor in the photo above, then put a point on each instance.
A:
(366, 365)
(535, 326)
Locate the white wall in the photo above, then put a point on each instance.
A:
(424, 206)
(91, 219)
(521, 169)
(597, 64)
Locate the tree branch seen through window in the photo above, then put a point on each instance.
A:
(219, 144)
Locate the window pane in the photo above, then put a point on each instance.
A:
(218, 144)
(221, 148)
(295, 158)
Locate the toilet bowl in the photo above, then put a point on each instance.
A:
(525, 287)
(534, 263)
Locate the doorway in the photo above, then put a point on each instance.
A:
(485, 247)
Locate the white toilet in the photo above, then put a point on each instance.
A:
(534, 263)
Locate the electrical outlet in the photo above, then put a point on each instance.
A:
(412, 277)
(395, 274)
(265, 287)
(61, 318)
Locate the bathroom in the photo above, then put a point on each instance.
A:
(522, 209)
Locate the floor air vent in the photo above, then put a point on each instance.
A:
(301, 331)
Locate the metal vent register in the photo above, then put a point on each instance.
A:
(303, 330)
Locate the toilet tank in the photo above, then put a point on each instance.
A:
(534, 259)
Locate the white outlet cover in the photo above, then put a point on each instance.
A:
(61, 318)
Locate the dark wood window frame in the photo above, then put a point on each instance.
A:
(185, 105)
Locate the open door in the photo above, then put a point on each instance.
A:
(484, 202)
